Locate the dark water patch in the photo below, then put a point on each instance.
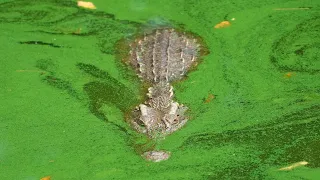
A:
(248, 170)
(61, 84)
(108, 90)
(74, 32)
(47, 65)
(109, 93)
(290, 138)
(285, 122)
(306, 149)
(311, 112)
(40, 43)
(95, 71)
(298, 50)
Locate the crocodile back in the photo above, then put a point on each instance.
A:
(163, 56)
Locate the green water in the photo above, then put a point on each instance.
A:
(64, 91)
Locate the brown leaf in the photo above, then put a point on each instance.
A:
(222, 24)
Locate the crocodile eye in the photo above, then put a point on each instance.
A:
(140, 123)
(175, 121)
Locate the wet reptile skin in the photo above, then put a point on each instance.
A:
(160, 58)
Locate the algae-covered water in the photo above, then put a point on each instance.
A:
(253, 100)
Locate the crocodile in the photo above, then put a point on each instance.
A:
(160, 58)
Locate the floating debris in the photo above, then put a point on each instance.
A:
(46, 178)
(209, 98)
(292, 166)
(222, 24)
(88, 5)
(289, 74)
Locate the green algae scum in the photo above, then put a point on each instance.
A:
(254, 100)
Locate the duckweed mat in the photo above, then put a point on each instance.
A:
(254, 98)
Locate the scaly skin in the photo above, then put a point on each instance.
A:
(159, 59)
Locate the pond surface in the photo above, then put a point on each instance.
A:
(254, 101)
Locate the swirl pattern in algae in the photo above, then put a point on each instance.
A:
(254, 100)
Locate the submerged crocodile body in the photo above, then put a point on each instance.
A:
(161, 58)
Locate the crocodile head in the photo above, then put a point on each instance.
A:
(159, 115)
(155, 123)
